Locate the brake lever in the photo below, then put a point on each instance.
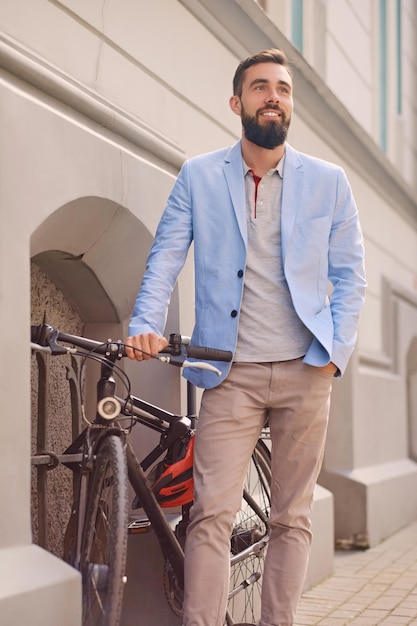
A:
(202, 365)
(44, 335)
(56, 348)
(36, 347)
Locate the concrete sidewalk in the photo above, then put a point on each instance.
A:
(375, 586)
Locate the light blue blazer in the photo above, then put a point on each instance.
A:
(321, 242)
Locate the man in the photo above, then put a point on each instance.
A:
(271, 228)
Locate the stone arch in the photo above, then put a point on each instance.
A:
(95, 251)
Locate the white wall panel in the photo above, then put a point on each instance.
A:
(353, 90)
(349, 25)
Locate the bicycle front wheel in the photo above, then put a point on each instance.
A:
(104, 543)
(249, 540)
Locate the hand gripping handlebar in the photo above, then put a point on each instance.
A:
(45, 335)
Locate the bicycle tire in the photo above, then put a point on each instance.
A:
(104, 542)
(251, 525)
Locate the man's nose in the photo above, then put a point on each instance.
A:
(273, 96)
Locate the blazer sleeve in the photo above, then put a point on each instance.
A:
(346, 273)
(165, 260)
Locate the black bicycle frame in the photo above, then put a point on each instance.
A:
(170, 546)
(171, 427)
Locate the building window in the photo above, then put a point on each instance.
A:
(399, 57)
(297, 24)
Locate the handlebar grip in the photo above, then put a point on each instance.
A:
(208, 354)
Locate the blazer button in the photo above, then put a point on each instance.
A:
(233, 313)
(240, 273)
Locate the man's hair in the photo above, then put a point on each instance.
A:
(273, 55)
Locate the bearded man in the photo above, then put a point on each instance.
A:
(271, 227)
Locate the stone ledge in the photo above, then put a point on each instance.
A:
(34, 582)
(373, 502)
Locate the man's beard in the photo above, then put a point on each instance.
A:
(269, 135)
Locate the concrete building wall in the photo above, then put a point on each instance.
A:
(100, 102)
(366, 54)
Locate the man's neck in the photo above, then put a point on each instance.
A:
(261, 160)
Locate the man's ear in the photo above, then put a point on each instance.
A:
(235, 105)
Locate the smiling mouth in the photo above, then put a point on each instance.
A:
(272, 114)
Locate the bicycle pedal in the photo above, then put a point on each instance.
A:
(138, 526)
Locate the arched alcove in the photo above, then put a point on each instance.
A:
(88, 259)
(94, 250)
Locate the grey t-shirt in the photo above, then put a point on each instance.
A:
(269, 328)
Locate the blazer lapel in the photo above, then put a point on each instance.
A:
(233, 171)
(292, 186)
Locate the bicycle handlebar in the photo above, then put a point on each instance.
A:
(46, 336)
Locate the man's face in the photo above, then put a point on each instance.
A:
(265, 105)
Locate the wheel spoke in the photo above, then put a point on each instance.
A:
(250, 534)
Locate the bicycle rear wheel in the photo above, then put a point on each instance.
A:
(104, 544)
(249, 540)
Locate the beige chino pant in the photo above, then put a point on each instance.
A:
(294, 398)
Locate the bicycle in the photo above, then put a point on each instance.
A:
(104, 462)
